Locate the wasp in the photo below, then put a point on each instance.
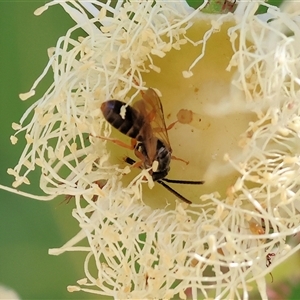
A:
(144, 122)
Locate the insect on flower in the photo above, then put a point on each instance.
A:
(269, 261)
(144, 122)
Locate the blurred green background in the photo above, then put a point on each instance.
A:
(28, 228)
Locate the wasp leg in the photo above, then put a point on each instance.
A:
(140, 156)
(133, 163)
(167, 128)
(137, 164)
(117, 142)
(180, 159)
(171, 125)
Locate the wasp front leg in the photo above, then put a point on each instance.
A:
(139, 155)
(137, 164)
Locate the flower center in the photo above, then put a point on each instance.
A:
(207, 107)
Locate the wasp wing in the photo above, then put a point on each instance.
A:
(151, 108)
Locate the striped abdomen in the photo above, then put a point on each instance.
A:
(132, 122)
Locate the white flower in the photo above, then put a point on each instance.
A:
(8, 293)
(234, 79)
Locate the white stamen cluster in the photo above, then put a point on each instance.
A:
(217, 248)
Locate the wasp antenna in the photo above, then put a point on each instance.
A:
(174, 192)
(182, 181)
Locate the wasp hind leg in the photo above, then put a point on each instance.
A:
(118, 142)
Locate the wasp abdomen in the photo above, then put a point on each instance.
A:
(132, 122)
